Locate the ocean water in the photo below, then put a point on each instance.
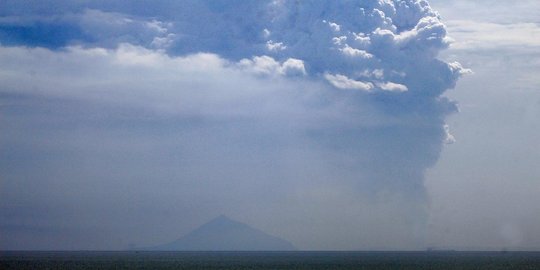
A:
(268, 260)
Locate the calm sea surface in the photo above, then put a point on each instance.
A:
(269, 260)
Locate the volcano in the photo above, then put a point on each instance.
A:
(225, 234)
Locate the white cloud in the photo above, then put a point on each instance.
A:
(475, 35)
(343, 82)
(500, 12)
(275, 46)
(352, 52)
(334, 26)
(159, 26)
(450, 139)
(392, 87)
(458, 69)
(111, 28)
(163, 42)
(266, 65)
(266, 33)
(292, 67)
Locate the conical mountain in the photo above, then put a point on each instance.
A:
(225, 234)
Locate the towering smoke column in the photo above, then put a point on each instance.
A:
(376, 54)
(379, 59)
(312, 120)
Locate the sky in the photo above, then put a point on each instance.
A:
(350, 125)
(484, 186)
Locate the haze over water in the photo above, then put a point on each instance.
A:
(332, 125)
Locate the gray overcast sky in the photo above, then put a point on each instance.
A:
(330, 124)
(484, 188)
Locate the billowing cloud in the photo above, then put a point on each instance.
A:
(268, 65)
(343, 82)
(219, 107)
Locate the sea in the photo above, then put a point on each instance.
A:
(268, 260)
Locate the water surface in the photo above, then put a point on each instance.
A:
(267, 260)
